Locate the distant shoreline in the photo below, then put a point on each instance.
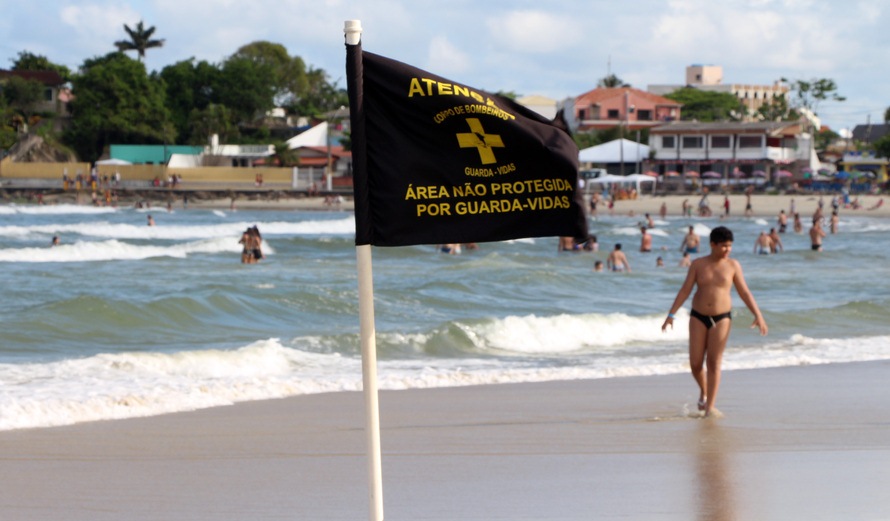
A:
(763, 205)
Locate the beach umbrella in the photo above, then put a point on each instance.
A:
(737, 172)
(784, 173)
(759, 173)
(650, 173)
(842, 175)
(712, 174)
(691, 173)
(673, 173)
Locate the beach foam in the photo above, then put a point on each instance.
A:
(129, 384)
(92, 251)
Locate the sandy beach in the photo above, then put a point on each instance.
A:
(794, 443)
(805, 442)
(761, 205)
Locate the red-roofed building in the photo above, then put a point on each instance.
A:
(341, 159)
(636, 109)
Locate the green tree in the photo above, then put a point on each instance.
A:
(882, 147)
(7, 132)
(27, 61)
(777, 109)
(246, 87)
(596, 137)
(611, 81)
(825, 137)
(140, 40)
(810, 94)
(285, 156)
(288, 73)
(320, 95)
(189, 87)
(7, 138)
(22, 96)
(115, 101)
(703, 105)
(302, 90)
(887, 116)
(212, 119)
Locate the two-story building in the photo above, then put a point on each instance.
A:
(604, 108)
(730, 148)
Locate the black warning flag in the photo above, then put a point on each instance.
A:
(438, 162)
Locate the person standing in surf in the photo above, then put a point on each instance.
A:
(710, 320)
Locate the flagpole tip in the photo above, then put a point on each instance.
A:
(353, 31)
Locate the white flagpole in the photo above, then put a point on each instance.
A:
(367, 336)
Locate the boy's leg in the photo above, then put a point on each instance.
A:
(716, 344)
(698, 338)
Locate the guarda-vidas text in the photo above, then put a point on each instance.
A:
(476, 199)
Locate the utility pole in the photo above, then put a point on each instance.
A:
(621, 126)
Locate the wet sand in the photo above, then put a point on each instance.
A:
(794, 443)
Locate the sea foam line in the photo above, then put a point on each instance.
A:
(86, 251)
(114, 386)
(105, 229)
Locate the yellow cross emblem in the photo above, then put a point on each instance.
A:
(480, 140)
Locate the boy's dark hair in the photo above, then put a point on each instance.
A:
(721, 234)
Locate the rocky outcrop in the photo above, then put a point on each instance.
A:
(34, 149)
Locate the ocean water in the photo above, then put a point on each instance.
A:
(125, 320)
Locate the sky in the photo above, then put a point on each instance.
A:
(554, 48)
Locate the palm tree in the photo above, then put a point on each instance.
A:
(285, 156)
(140, 40)
(612, 81)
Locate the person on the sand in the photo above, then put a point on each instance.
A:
(710, 319)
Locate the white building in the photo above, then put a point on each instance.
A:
(730, 147)
(710, 78)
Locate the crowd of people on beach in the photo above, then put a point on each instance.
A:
(769, 242)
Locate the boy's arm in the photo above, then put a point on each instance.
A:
(682, 295)
(745, 294)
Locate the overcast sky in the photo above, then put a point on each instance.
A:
(556, 48)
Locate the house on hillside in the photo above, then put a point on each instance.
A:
(604, 108)
(55, 92)
(731, 149)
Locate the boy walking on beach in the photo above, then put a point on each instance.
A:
(710, 319)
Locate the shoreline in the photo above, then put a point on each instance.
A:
(763, 205)
(806, 442)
